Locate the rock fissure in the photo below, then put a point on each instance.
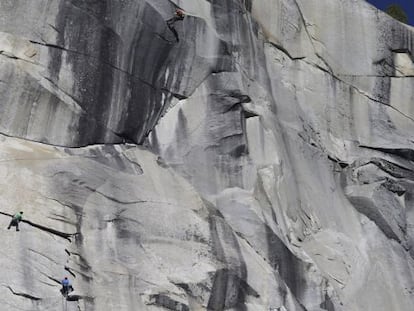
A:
(15, 58)
(380, 102)
(337, 77)
(118, 201)
(52, 279)
(405, 153)
(330, 70)
(44, 228)
(376, 76)
(132, 75)
(31, 297)
(43, 255)
(75, 100)
(166, 302)
(285, 51)
(304, 23)
(69, 270)
(361, 92)
(391, 168)
(296, 213)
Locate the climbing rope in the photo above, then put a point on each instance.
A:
(64, 302)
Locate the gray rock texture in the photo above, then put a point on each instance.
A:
(263, 161)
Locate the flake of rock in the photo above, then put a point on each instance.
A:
(262, 161)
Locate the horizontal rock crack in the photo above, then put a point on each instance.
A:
(23, 294)
(49, 45)
(44, 228)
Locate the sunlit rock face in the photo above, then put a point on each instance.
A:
(95, 71)
(262, 161)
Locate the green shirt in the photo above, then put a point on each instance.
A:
(18, 216)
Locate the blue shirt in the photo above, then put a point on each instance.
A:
(65, 282)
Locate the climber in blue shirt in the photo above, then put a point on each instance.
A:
(66, 287)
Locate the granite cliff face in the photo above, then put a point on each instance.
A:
(263, 162)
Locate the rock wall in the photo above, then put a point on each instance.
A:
(262, 162)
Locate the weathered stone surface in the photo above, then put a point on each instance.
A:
(263, 162)
(96, 72)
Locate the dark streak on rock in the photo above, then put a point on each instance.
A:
(327, 304)
(393, 169)
(68, 270)
(404, 153)
(394, 187)
(247, 4)
(95, 52)
(114, 199)
(290, 268)
(57, 281)
(47, 229)
(342, 164)
(247, 114)
(229, 289)
(368, 208)
(168, 303)
(286, 52)
(23, 294)
(8, 55)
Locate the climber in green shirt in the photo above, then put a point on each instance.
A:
(15, 220)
